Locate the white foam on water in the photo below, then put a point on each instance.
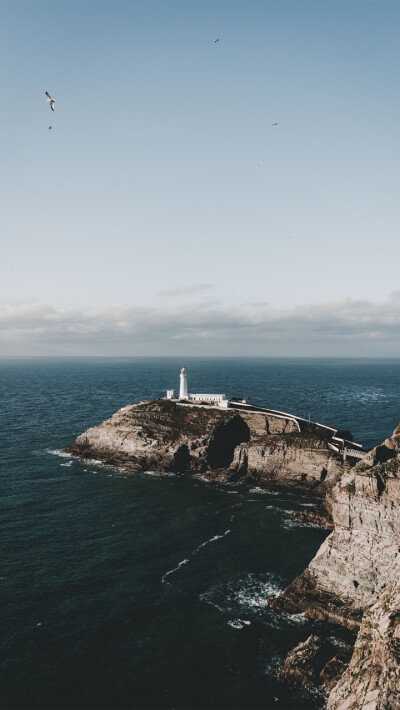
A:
(272, 668)
(67, 464)
(264, 491)
(249, 594)
(199, 477)
(238, 623)
(256, 597)
(158, 474)
(212, 539)
(294, 619)
(171, 571)
(192, 554)
(286, 511)
(58, 452)
(289, 523)
(337, 641)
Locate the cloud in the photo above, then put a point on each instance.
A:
(186, 290)
(342, 327)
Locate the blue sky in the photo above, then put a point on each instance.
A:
(142, 222)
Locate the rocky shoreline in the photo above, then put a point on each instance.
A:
(353, 580)
(223, 444)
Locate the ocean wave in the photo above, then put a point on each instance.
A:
(159, 474)
(212, 539)
(175, 569)
(286, 511)
(58, 452)
(249, 594)
(289, 523)
(294, 619)
(192, 554)
(200, 477)
(239, 623)
(264, 491)
(363, 396)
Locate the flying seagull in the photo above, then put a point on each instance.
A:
(50, 100)
(259, 164)
(50, 127)
(216, 40)
(276, 124)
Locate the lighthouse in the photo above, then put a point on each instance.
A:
(183, 390)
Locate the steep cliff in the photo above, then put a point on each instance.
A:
(354, 579)
(361, 556)
(372, 680)
(226, 444)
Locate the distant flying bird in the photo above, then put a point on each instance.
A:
(50, 100)
(259, 164)
(50, 127)
(276, 124)
(216, 40)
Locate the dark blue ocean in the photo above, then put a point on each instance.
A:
(145, 591)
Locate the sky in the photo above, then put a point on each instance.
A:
(164, 214)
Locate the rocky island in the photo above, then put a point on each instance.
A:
(229, 445)
(353, 580)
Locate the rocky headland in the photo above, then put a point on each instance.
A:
(353, 580)
(228, 445)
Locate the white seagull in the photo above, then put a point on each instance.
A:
(50, 100)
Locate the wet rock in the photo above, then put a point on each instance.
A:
(320, 515)
(307, 663)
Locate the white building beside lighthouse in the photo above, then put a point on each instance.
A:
(216, 399)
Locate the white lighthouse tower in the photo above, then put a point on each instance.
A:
(183, 390)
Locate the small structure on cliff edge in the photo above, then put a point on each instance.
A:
(219, 399)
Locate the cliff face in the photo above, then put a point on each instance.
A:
(225, 444)
(303, 460)
(354, 579)
(361, 556)
(372, 680)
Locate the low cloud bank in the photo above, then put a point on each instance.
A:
(343, 327)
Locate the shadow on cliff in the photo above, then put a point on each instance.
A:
(224, 441)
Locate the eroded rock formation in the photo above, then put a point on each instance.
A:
(354, 579)
(315, 662)
(225, 444)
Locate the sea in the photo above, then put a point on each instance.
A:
(139, 590)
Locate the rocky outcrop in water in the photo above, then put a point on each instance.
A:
(372, 680)
(354, 579)
(315, 662)
(230, 445)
